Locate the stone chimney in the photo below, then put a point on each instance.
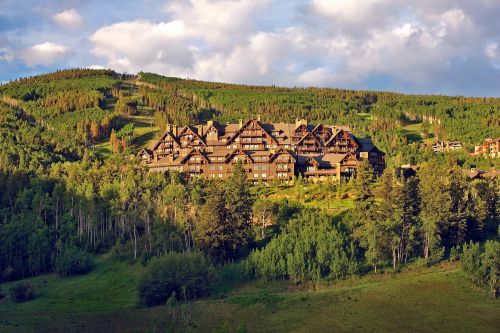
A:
(169, 128)
(210, 123)
(200, 130)
(258, 117)
(240, 123)
(174, 130)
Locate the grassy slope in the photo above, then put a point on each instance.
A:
(312, 196)
(438, 299)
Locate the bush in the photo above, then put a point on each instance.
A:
(436, 255)
(22, 292)
(188, 276)
(2, 295)
(482, 263)
(73, 261)
(9, 274)
(455, 253)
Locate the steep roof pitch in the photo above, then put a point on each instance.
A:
(163, 137)
(193, 132)
(255, 122)
(339, 132)
(283, 151)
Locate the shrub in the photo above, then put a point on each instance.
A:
(73, 261)
(22, 292)
(436, 255)
(9, 274)
(482, 264)
(455, 253)
(188, 276)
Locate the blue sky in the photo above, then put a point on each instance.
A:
(426, 46)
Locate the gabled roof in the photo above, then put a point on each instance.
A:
(269, 136)
(166, 134)
(193, 132)
(145, 150)
(307, 128)
(310, 135)
(337, 133)
(319, 126)
(238, 151)
(283, 151)
(192, 152)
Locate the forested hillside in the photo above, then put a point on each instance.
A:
(71, 188)
(382, 115)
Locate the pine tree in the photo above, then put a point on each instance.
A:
(239, 203)
(94, 131)
(113, 141)
(213, 233)
(363, 180)
(435, 204)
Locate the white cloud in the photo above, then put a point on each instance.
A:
(69, 18)
(491, 50)
(6, 54)
(143, 45)
(343, 43)
(43, 54)
(217, 21)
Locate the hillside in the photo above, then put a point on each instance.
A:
(422, 300)
(82, 106)
(90, 240)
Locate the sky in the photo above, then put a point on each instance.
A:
(427, 46)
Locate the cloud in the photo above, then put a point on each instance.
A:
(219, 22)
(6, 54)
(445, 46)
(43, 54)
(491, 50)
(143, 45)
(69, 18)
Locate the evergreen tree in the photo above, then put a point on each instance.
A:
(214, 235)
(239, 203)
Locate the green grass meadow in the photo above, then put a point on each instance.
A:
(438, 299)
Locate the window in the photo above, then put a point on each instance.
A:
(255, 175)
(264, 167)
(220, 175)
(212, 167)
(220, 168)
(212, 176)
(256, 167)
(264, 175)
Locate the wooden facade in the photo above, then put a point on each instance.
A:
(489, 148)
(266, 150)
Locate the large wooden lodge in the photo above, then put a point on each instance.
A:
(266, 150)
